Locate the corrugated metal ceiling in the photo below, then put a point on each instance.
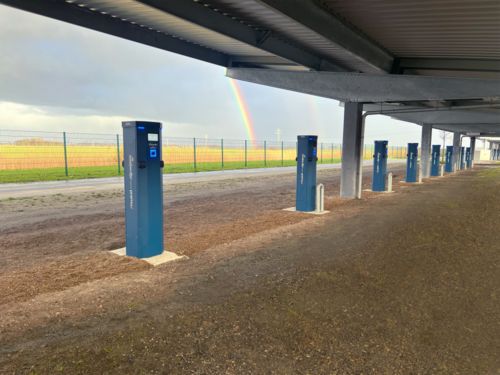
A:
(264, 16)
(250, 12)
(141, 14)
(426, 28)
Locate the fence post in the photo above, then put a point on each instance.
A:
(282, 162)
(245, 153)
(118, 152)
(194, 153)
(265, 154)
(222, 152)
(65, 155)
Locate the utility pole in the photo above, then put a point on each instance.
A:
(278, 135)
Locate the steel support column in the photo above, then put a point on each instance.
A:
(472, 150)
(352, 150)
(457, 141)
(426, 150)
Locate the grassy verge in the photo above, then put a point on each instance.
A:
(55, 174)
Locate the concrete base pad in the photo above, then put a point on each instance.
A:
(411, 183)
(293, 209)
(156, 260)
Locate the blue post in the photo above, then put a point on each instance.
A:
(448, 166)
(379, 166)
(143, 188)
(411, 162)
(462, 157)
(436, 156)
(307, 157)
(468, 159)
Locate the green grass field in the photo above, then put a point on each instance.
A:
(55, 174)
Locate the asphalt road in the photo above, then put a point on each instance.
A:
(32, 189)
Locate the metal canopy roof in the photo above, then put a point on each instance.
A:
(451, 38)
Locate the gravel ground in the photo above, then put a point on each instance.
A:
(403, 283)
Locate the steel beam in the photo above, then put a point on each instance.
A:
(372, 88)
(464, 121)
(83, 16)
(199, 14)
(450, 64)
(335, 31)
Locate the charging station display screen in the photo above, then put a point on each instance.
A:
(152, 137)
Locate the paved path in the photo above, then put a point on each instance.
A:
(31, 189)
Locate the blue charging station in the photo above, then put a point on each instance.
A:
(411, 162)
(448, 166)
(143, 188)
(462, 157)
(379, 166)
(468, 159)
(436, 156)
(307, 146)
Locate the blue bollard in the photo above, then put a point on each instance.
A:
(448, 166)
(436, 155)
(411, 162)
(143, 188)
(305, 199)
(379, 166)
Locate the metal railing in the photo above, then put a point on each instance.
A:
(36, 156)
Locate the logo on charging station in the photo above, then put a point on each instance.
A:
(302, 162)
(130, 176)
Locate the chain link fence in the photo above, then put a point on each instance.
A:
(39, 156)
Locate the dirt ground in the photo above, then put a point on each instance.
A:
(403, 283)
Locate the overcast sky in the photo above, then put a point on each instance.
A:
(55, 76)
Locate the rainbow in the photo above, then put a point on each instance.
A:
(245, 113)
